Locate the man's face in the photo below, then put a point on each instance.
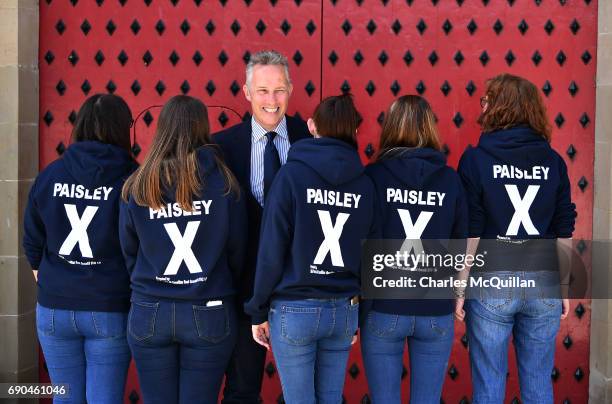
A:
(269, 94)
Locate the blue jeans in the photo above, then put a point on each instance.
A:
(181, 350)
(429, 338)
(311, 340)
(86, 350)
(533, 321)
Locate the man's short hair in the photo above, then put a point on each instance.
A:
(266, 58)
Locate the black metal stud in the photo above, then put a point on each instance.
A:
(346, 27)
(371, 27)
(484, 58)
(260, 27)
(567, 342)
(554, 375)
(147, 58)
(135, 87)
(458, 119)
(197, 58)
(445, 88)
(559, 120)
(586, 57)
(73, 58)
(86, 87)
(223, 119)
(85, 27)
(536, 58)
(515, 400)
(470, 88)
(210, 87)
(160, 27)
(160, 87)
(147, 118)
(408, 58)
(345, 87)
(447, 27)
(110, 27)
(48, 118)
(459, 58)
(421, 26)
(49, 57)
(573, 88)
(381, 118)
(311, 27)
(510, 58)
(549, 27)
(246, 57)
(354, 371)
(133, 397)
(464, 400)
(383, 58)
(578, 374)
(546, 88)
(579, 310)
(72, 117)
(234, 88)
(365, 399)
(210, 27)
(561, 58)
(395, 87)
(235, 27)
(136, 149)
(185, 87)
(584, 120)
(498, 27)
(122, 58)
(270, 369)
(60, 148)
(396, 27)
(333, 58)
(358, 58)
(61, 87)
(369, 150)
(223, 58)
(60, 27)
(297, 58)
(433, 58)
(472, 27)
(404, 372)
(310, 88)
(420, 87)
(99, 58)
(453, 372)
(285, 27)
(370, 88)
(523, 27)
(571, 151)
(464, 340)
(111, 87)
(582, 183)
(135, 27)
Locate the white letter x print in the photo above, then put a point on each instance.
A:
(78, 234)
(521, 209)
(414, 231)
(332, 233)
(182, 248)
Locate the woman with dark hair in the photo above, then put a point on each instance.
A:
(305, 304)
(420, 198)
(518, 189)
(71, 242)
(182, 231)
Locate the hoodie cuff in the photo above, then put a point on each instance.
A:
(259, 319)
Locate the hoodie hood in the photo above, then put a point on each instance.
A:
(94, 164)
(520, 146)
(335, 161)
(415, 167)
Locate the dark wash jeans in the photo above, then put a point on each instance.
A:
(181, 349)
(311, 340)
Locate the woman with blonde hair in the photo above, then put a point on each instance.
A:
(420, 198)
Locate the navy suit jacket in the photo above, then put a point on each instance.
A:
(235, 143)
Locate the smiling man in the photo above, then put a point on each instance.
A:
(254, 150)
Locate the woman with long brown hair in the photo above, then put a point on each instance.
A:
(518, 189)
(420, 198)
(182, 229)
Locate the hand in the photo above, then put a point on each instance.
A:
(459, 312)
(566, 309)
(261, 334)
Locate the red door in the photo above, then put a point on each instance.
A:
(149, 50)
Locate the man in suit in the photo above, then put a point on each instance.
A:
(254, 150)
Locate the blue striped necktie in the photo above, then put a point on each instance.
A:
(271, 162)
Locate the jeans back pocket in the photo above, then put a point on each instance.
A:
(299, 325)
(109, 324)
(45, 320)
(141, 321)
(212, 323)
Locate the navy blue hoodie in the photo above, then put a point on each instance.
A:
(517, 187)
(70, 229)
(192, 256)
(416, 188)
(320, 207)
